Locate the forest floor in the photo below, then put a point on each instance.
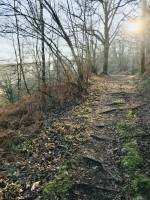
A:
(95, 150)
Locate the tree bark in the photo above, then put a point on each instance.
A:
(42, 43)
(106, 39)
(106, 56)
(143, 57)
(143, 46)
(19, 49)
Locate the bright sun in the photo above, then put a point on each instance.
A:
(134, 27)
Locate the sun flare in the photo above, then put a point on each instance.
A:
(134, 27)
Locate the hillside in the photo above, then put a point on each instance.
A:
(94, 149)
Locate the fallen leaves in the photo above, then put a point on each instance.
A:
(62, 137)
(35, 185)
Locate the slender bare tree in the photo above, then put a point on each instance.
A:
(107, 14)
(143, 40)
(19, 49)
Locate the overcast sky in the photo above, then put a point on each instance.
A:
(6, 50)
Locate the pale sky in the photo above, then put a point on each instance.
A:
(6, 50)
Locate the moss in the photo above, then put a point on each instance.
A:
(62, 183)
(132, 158)
(130, 115)
(126, 127)
(59, 186)
(137, 186)
(141, 185)
(27, 145)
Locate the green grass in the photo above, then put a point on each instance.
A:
(62, 182)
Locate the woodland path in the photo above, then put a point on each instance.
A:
(86, 132)
(109, 101)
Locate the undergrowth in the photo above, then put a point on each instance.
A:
(132, 158)
(127, 126)
(18, 143)
(137, 185)
(62, 183)
(146, 84)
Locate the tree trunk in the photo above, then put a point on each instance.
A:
(106, 39)
(18, 72)
(106, 55)
(143, 57)
(143, 46)
(19, 49)
(42, 43)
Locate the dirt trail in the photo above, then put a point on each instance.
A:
(89, 129)
(109, 100)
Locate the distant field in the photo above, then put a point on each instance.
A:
(1, 91)
(2, 100)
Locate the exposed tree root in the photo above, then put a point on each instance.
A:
(93, 161)
(86, 186)
(108, 110)
(119, 109)
(102, 138)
